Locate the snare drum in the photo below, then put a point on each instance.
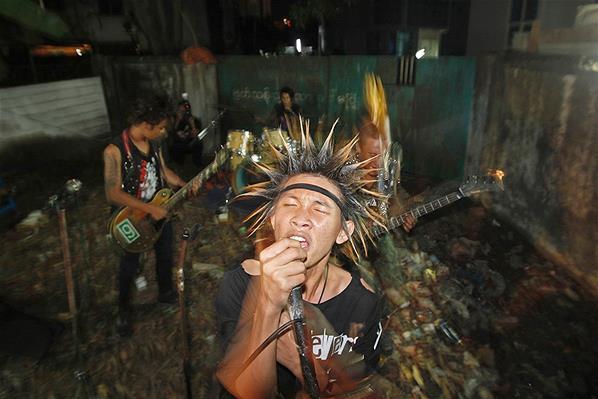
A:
(277, 137)
(240, 143)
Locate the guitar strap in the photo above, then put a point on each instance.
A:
(159, 155)
(131, 168)
(125, 137)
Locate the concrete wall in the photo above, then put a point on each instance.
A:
(71, 108)
(438, 132)
(126, 78)
(535, 117)
(430, 119)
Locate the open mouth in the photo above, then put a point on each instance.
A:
(303, 242)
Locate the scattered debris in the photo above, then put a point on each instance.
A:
(471, 314)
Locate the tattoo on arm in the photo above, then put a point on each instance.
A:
(111, 172)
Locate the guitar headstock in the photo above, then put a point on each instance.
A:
(479, 184)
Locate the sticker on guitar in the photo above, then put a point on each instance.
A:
(136, 231)
(128, 231)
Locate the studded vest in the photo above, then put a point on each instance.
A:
(141, 173)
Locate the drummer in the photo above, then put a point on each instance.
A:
(286, 113)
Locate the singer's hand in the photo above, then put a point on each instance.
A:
(282, 268)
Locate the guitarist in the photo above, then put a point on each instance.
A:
(182, 139)
(374, 142)
(134, 170)
(371, 145)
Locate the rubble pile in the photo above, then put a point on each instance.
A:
(427, 356)
(149, 364)
(480, 314)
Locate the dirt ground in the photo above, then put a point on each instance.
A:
(473, 311)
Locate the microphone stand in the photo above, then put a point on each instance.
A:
(188, 235)
(210, 125)
(68, 274)
(58, 203)
(297, 315)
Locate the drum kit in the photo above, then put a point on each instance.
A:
(246, 149)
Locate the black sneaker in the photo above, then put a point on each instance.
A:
(170, 297)
(124, 326)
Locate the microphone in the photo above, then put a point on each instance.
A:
(296, 312)
(296, 304)
(66, 196)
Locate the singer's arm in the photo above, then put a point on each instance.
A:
(282, 269)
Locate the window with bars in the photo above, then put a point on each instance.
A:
(406, 69)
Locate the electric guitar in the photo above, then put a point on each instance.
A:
(472, 185)
(136, 231)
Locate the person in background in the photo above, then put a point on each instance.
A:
(374, 145)
(286, 113)
(183, 136)
(371, 146)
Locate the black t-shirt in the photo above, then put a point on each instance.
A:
(354, 314)
(183, 129)
(280, 115)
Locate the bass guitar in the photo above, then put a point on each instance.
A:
(472, 185)
(136, 231)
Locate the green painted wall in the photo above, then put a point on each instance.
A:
(440, 117)
(431, 120)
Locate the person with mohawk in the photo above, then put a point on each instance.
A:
(314, 205)
(375, 147)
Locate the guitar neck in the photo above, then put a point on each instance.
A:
(421, 210)
(182, 193)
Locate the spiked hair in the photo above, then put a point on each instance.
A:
(338, 168)
(375, 104)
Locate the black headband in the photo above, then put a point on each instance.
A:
(318, 189)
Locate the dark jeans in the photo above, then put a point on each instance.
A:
(129, 264)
